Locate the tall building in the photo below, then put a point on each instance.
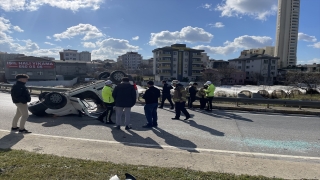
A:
(130, 61)
(269, 50)
(69, 54)
(287, 32)
(177, 61)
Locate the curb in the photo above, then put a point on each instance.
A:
(257, 110)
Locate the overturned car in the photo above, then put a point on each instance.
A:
(75, 101)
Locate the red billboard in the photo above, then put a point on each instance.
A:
(30, 65)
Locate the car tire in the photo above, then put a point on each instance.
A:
(103, 75)
(42, 95)
(116, 76)
(37, 108)
(55, 100)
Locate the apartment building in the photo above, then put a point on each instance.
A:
(269, 50)
(4, 57)
(259, 68)
(177, 61)
(130, 61)
(287, 32)
(74, 55)
(217, 63)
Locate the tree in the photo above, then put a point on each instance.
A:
(211, 75)
(299, 79)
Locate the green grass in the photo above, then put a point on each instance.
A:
(18, 164)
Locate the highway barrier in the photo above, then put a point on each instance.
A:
(36, 88)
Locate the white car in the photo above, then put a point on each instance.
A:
(74, 101)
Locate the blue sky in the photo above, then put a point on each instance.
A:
(109, 28)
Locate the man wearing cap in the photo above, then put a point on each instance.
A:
(179, 98)
(150, 109)
(108, 102)
(125, 97)
(20, 97)
(210, 94)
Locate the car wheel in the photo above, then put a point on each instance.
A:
(55, 100)
(37, 108)
(103, 75)
(116, 76)
(42, 95)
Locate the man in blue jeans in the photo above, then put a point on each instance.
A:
(151, 97)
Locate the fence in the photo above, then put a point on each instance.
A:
(64, 83)
(36, 88)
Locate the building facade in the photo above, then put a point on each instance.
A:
(69, 54)
(269, 50)
(38, 69)
(260, 69)
(287, 32)
(7, 56)
(130, 61)
(177, 62)
(217, 63)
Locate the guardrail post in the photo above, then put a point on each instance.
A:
(237, 103)
(299, 107)
(268, 105)
(30, 90)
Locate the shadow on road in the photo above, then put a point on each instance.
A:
(175, 141)
(204, 128)
(224, 115)
(7, 141)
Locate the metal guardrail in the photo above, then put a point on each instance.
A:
(37, 88)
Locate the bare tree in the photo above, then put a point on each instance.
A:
(211, 75)
(299, 79)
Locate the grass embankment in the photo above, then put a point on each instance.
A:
(17, 164)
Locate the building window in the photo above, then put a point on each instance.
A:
(51, 73)
(247, 67)
(272, 73)
(186, 53)
(174, 53)
(273, 67)
(185, 72)
(239, 67)
(29, 73)
(273, 61)
(248, 61)
(265, 61)
(174, 71)
(186, 60)
(67, 54)
(40, 73)
(174, 59)
(239, 62)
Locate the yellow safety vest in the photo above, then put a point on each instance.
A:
(107, 95)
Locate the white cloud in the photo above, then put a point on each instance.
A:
(135, 38)
(48, 37)
(17, 28)
(306, 37)
(89, 44)
(32, 5)
(49, 43)
(112, 48)
(258, 9)
(242, 42)
(89, 32)
(216, 25)
(315, 45)
(206, 6)
(187, 34)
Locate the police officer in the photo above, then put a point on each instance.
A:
(179, 98)
(108, 102)
(166, 94)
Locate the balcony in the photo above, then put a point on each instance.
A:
(163, 61)
(164, 55)
(197, 62)
(197, 67)
(165, 73)
(164, 67)
(197, 56)
(196, 74)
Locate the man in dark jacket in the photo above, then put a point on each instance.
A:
(179, 98)
(20, 97)
(192, 97)
(150, 109)
(124, 96)
(166, 94)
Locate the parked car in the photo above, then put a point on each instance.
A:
(74, 101)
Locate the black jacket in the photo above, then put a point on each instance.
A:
(124, 95)
(193, 91)
(20, 93)
(151, 95)
(166, 89)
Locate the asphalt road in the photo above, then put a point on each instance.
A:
(278, 134)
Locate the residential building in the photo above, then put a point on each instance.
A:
(269, 50)
(287, 32)
(148, 62)
(74, 55)
(130, 61)
(310, 67)
(205, 59)
(177, 61)
(47, 57)
(39, 69)
(217, 63)
(260, 69)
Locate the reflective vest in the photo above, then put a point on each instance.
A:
(107, 94)
(210, 90)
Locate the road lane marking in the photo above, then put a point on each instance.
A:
(176, 148)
